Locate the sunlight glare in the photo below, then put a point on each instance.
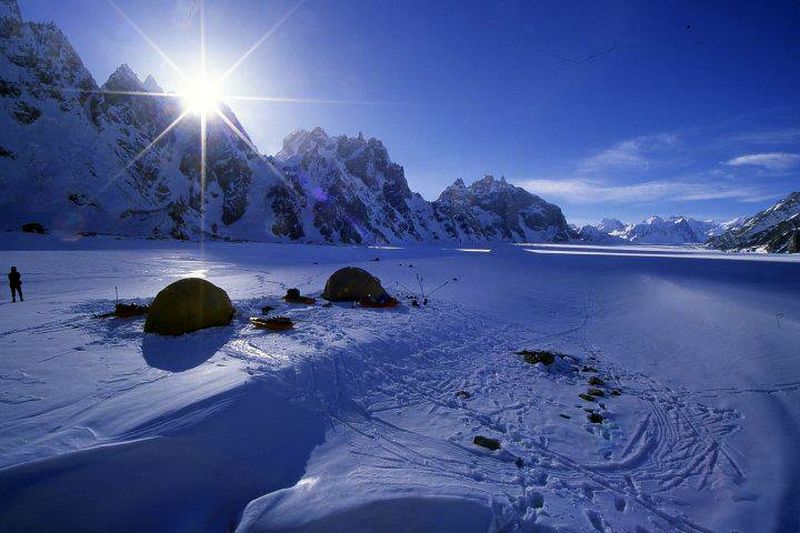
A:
(202, 96)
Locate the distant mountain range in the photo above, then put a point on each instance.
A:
(79, 157)
(654, 230)
(83, 158)
(776, 230)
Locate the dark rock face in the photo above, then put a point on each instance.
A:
(774, 230)
(283, 203)
(350, 189)
(513, 213)
(34, 227)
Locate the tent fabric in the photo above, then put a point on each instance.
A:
(352, 284)
(188, 305)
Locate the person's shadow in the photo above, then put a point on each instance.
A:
(184, 352)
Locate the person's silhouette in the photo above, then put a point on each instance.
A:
(15, 282)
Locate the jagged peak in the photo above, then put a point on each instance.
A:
(490, 185)
(791, 199)
(152, 85)
(302, 141)
(124, 78)
(10, 9)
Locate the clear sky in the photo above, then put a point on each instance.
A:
(621, 109)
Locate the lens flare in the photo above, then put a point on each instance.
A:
(202, 97)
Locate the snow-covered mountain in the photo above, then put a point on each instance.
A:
(653, 230)
(593, 234)
(609, 225)
(70, 150)
(78, 157)
(492, 209)
(672, 230)
(776, 229)
(348, 190)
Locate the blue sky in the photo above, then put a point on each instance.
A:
(619, 109)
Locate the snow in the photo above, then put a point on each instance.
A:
(351, 421)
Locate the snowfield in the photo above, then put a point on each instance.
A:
(364, 419)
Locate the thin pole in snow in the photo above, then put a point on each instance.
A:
(437, 288)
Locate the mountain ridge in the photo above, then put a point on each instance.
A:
(775, 230)
(84, 158)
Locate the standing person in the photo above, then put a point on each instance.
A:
(15, 282)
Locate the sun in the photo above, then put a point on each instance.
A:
(202, 96)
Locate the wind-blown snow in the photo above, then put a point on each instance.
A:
(352, 420)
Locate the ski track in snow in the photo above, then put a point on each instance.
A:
(385, 382)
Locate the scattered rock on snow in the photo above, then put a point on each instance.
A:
(486, 442)
(464, 395)
(596, 392)
(538, 356)
(595, 417)
(596, 381)
(586, 397)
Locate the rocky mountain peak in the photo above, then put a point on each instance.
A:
(9, 9)
(607, 225)
(775, 229)
(124, 79)
(515, 213)
(151, 85)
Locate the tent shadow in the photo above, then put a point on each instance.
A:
(184, 352)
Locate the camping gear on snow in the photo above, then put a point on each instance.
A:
(188, 305)
(126, 311)
(278, 323)
(352, 284)
(293, 297)
(384, 300)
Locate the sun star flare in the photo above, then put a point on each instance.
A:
(202, 96)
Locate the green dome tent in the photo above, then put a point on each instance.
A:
(351, 284)
(188, 305)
